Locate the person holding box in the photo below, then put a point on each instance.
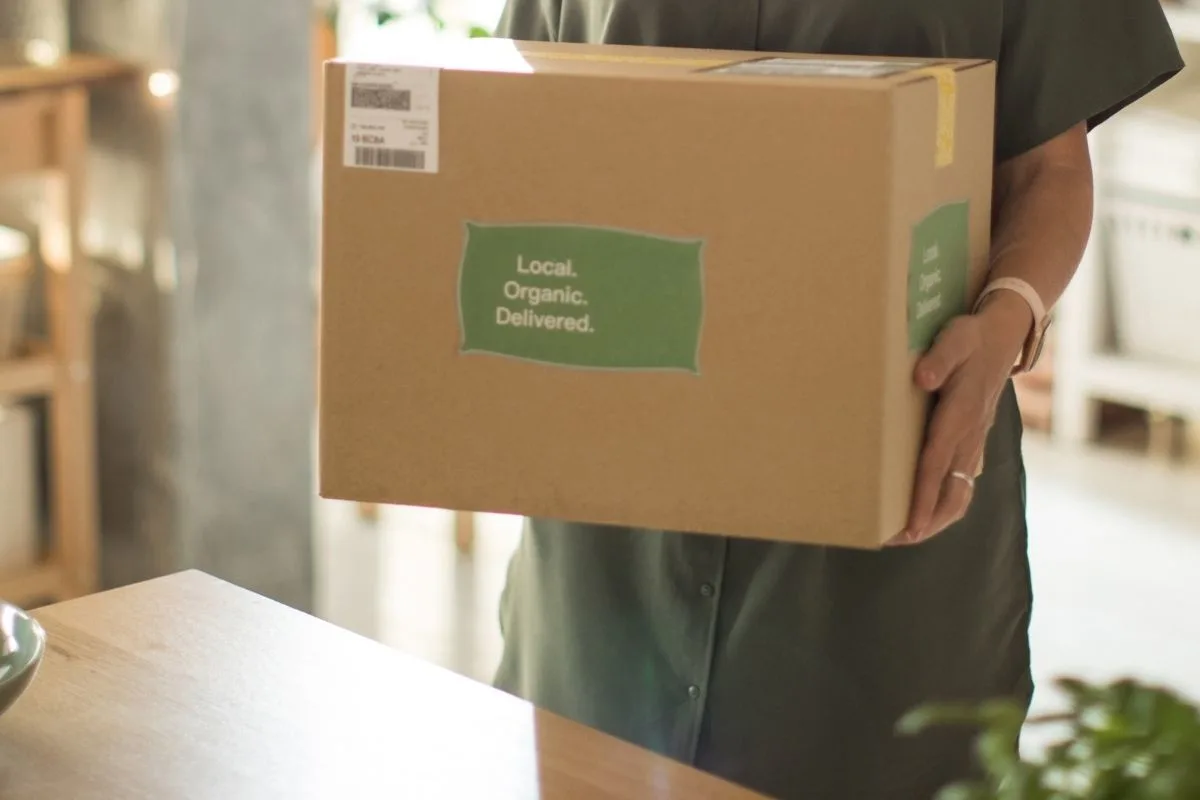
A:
(786, 667)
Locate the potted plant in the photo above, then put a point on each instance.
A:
(1124, 740)
(387, 12)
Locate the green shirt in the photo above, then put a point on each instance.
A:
(785, 667)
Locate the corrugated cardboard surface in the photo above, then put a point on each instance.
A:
(799, 423)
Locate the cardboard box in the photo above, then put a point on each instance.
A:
(669, 289)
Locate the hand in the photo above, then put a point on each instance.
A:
(968, 367)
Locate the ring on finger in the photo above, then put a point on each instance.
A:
(965, 477)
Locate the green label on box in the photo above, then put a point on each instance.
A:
(938, 268)
(586, 297)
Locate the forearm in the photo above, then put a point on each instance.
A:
(1042, 228)
(1043, 219)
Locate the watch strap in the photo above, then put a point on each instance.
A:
(1032, 350)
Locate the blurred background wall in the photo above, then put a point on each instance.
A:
(201, 222)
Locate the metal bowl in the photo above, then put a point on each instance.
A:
(22, 645)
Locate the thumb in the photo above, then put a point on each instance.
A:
(950, 350)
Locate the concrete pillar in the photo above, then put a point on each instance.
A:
(203, 226)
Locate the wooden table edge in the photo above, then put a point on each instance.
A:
(60, 615)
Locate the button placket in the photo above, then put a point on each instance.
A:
(697, 691)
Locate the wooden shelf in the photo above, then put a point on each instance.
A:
(29, 587)
(1088, 375)
(30, 375)
(30, 106)
(73, 70)
(1158, 387)
(44, 130)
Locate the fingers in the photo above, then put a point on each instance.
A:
(955, 492)
(952, 454)
(953, 346)
(978, 458)
(950, 461)
(942, 444)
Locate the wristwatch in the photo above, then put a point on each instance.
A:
(1032, 351)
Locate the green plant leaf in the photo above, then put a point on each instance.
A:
(996, 713)
(479, 32)
(997, 749)
(1124, 740)
(965, 791)
(922, 719)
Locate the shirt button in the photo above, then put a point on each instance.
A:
(707, 590)
(694, 692)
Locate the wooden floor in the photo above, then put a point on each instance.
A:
(1115, 551)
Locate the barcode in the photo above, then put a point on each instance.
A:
(388, 158)
(369, 95)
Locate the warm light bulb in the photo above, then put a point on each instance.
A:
(41, 52)
(163, 83)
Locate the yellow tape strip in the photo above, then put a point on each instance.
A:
(947, 112)
(691, 63)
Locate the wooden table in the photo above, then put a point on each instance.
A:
(187, 688)
(44, 130)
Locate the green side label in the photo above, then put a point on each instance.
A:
(579, 296)
(938, 269)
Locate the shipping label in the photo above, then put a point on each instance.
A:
(391, 118)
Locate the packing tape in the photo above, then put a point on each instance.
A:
(947, 112)
(945, 77)
(690, 63)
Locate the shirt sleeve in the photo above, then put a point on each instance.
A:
(529, 20)
(1064, 62)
